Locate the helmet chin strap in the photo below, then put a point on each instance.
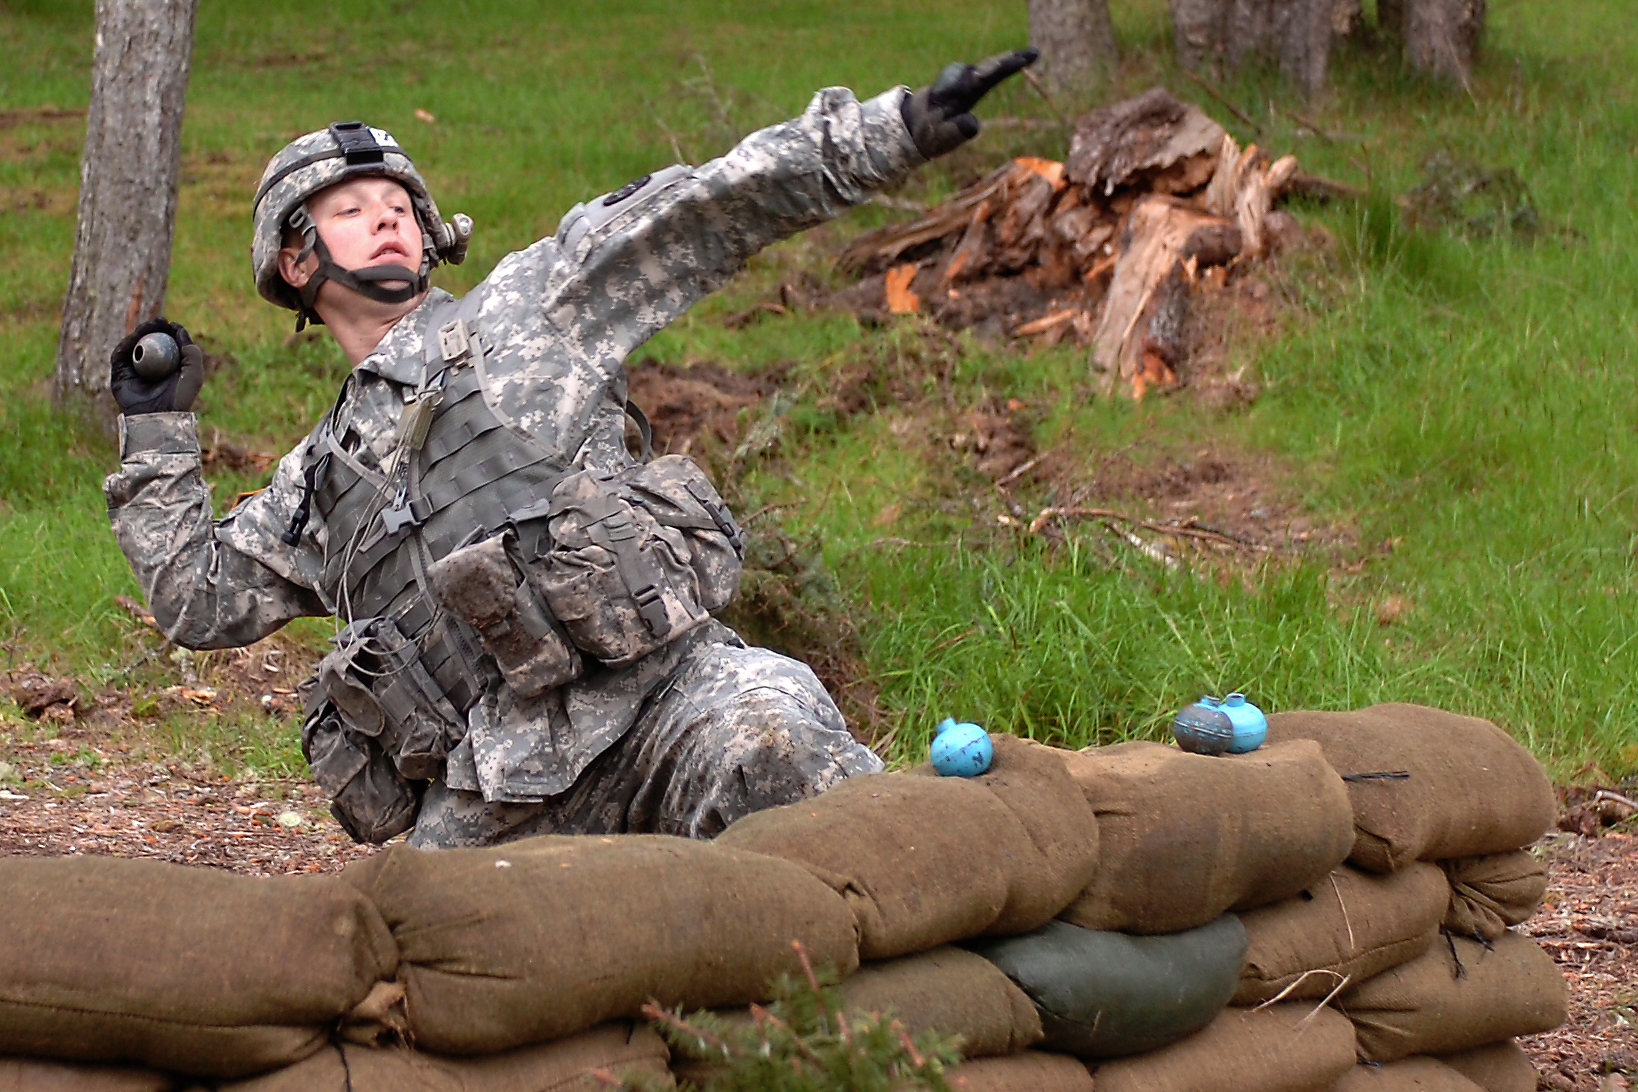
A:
(368, 281)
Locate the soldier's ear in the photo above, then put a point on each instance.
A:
(296, 274)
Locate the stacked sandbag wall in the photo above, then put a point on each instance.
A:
(1129, 917)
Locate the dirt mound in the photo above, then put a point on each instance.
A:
(688, 405)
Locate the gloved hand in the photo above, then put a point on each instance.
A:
(172, 393)
(939, 116)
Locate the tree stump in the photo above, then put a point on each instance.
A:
(1294, 35)
(128, 185)
(1442, 36)
(1076, 39)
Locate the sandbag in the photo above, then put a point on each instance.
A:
(1351, 925)
(1104, 995)
(1185, 837)
(39, 1075)
(564, 1066)
(1489, 893)
(952, 992)
(543, 937)
(1472, 788)
(1495, 1067)
(184, 969)
(1281, 1048)
(926, 860)
(1415, 1074)
(1031, 1071)
(1457, 996)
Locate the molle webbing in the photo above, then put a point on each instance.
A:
(468, 480)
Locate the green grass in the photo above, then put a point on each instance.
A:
(1468, 398)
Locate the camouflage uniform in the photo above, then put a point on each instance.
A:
(707, 729)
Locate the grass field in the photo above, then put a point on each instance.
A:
(1467, 396)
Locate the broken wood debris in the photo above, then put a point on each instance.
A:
(1107, 246)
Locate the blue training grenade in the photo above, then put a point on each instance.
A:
(961, 750)
(1210, 727)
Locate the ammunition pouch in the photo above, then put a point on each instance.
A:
(485, 585)
(635, 561)
(376, 724)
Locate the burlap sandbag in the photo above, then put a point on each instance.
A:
(1489, 893)
(544, 937)
(1281, 1048)
(1416, 1074)
(184, 969)
(926, 860)
(1185, 837)
(36, 1075)
(564, 1066)
(1495, 1067)
(1031, 1071)
(952, 992)
(1472, 789)
(1457, 996)
(1351, 925)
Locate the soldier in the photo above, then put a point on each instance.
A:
(528, 643)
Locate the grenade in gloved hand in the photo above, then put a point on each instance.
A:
(939, 116)
(156, 368)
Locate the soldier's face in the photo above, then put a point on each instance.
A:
(368, 221)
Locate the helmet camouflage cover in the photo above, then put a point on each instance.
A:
(311, 163)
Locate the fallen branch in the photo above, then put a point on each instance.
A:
(1224, 101)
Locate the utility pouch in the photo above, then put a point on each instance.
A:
(636, 561)
(484, 585)
(378, 722)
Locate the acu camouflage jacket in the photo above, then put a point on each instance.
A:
(560, 318)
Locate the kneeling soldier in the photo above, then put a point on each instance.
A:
(529, 644)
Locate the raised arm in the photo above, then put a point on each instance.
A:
(210, 583)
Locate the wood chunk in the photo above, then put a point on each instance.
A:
(1138, 342)
(1121, 145)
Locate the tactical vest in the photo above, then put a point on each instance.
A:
(469, 476)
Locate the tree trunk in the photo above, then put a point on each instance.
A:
(128, 183)
(1294, 35)
(1076, 39)
(1442, 36)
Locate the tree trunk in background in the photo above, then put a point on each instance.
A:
(1390, 18)
(1442, 36)
(1294, 35)
(1076, 39)
(128, 183)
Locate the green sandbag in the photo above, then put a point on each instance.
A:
(1457, 996)
(1495, 1067)
(952, 992)
(1031, 1071)
(1489, 893)
(1184, 837)
(184, 969)
(1280, 1048)
(567, 1065)
(1104, 995)
(1348, 927)
(544, 937)
(927, 860)
(1416, 1074)
(1472, 788)
(37, 1075)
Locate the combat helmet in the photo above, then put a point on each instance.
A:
(308, 164)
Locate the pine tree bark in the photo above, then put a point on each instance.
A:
(128, 186)
(1076, 39)
(1294, 35)
(1442, 36)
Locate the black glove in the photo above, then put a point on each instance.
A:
(172, 393)
(938, 116)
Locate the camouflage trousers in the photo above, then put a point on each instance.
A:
(735, 730)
